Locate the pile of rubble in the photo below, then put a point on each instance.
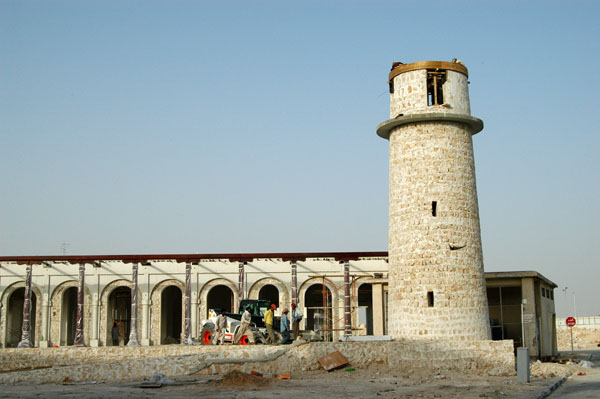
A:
(549, 370)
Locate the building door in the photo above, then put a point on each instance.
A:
(170, 315)
(119, 310)
(365, 307)
(219, 297)
(270, 293)
(318, 303)
(14, 318)
(68, 323)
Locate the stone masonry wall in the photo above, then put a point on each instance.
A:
(410, 94)
(53, 365)
(434, 162)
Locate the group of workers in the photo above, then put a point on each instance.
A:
(246, 322)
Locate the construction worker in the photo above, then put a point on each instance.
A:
(296, 317)
(284, 327)
(244, 327)
(220, 329)
(269, 323)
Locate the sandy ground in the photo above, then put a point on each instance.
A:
(582, 339)
(361, 383)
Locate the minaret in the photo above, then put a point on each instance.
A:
(436, 281)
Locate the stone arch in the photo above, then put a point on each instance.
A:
(57, 324)
(209, 286)
(362, 296)
(284, 292)
(310, 314)
(4, 316)
(156, 309)
(105, 317)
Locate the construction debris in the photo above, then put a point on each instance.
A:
(265, 358)
(238, 378)
(156, 381)
(333, 361)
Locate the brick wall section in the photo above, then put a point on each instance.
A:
(137, 364)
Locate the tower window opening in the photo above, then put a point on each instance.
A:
(434, 208)
(430, 299)
(435, 87)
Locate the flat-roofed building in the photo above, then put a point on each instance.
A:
(316, 281)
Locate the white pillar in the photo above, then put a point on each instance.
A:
(44, 332)
(194, 314)
(94, 341)
(145, 319)
(378, 311)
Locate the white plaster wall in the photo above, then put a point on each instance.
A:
(100, 281)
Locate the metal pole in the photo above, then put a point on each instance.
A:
(571, 328)
(25, 342)
(133, 335)
(294, 283)
(347, 310)
(241, 281)
(79, 338)
(523, 302)
(566, 303)
(187, 339)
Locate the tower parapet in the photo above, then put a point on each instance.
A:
(436, 281)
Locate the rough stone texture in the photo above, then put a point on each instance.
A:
(106, 319)
(410, 94)
(433, 161)
(4, 327)
(56, 313)
(284, 296)
(156, 310)
(54, 365)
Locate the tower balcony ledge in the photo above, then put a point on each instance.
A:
(384, 129)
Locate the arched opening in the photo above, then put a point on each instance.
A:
(68, 317)
(119, 310)
(365, 307)
(14, 318)
(220, 297)
(170, 315)
(318, 303)
(270, 293)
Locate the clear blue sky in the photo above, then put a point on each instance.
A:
(249, 126)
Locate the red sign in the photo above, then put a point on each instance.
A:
(570, 321)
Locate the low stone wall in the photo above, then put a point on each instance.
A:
(33, 358)
(55, 365)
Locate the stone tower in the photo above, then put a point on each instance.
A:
(436, 281)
